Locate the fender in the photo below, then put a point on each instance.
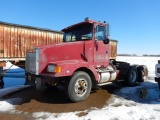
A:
(69, 67)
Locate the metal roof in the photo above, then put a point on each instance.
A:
(30, 27)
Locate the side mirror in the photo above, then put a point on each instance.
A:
(106, 40)
(107, 29)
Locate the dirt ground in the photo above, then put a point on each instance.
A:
(54, 101)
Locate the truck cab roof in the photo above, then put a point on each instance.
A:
(84, 23)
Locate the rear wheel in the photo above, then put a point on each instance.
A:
(142, 73)
(79, 86)
(132, 76)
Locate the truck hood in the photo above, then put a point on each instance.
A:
(60, 52)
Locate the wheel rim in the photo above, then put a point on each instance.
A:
(81, 87)
(133, 76)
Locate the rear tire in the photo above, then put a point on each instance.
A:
(142, 73)
(132, 76)
(79, 86)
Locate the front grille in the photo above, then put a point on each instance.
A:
(31, 64)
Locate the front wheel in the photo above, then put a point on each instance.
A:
(132, 76)
(79, 86)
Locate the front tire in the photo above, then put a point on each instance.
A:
(79, 86)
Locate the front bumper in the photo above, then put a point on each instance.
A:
(45, 80)
(157, 79)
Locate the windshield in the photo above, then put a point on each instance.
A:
(78, 34)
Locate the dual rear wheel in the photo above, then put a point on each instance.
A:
(137, 74)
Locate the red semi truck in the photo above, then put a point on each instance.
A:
(84, 60)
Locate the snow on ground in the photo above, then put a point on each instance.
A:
(125, 104)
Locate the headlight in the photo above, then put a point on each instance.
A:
(50, 68)
(54, 68)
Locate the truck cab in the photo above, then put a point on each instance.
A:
(91, 38)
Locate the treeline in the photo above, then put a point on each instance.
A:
(151, 55)
(127, 55)
(145, 55)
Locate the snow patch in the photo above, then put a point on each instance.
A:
(8, 105)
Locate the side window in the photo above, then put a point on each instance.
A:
(74, 38)
(86, 36)
(100, 35)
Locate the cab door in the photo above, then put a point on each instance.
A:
(101, 50)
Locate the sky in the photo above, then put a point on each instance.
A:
(134, 23)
